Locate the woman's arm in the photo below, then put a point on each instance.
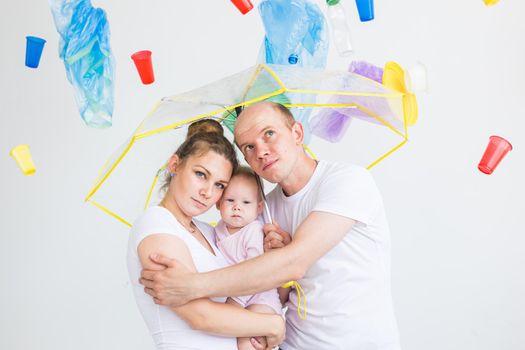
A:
(204, 314)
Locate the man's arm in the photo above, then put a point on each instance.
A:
(317, 235)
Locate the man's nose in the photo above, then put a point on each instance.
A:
(261, 150)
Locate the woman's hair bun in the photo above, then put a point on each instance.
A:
(205, 126)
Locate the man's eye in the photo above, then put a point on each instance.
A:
(270, 133)
(248, 148)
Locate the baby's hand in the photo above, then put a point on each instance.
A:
(275, 237)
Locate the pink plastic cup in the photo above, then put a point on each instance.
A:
(496, 150)
(243, 5)
(144, 66)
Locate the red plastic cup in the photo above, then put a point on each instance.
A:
(243, 5)
(497, 148)
(144, 66)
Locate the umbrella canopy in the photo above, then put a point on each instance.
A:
(129, 182)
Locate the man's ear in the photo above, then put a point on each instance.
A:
(173, 163)
(298, 133)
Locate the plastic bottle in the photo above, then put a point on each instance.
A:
(340, 28)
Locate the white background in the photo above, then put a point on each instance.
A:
(458, 240)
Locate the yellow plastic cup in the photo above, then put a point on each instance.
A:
(490, 2)
(22, 156)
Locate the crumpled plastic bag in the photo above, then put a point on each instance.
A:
(84, 47)
(294, 27)
(296, 33)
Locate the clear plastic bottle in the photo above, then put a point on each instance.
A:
(340, 27)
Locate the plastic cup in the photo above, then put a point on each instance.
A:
(243, 5)
(22, 156)
(497, 148)
(365, 9)
(34, 47)
(144, 66)
(490, 2)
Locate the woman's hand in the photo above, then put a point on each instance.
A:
(275, 237)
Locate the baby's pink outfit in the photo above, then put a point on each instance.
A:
(245, 244)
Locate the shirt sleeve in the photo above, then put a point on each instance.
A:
(349, 191)
(253, 240)
(151, 222)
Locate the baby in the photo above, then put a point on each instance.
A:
(239, 236)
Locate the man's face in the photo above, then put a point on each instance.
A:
(269, 146)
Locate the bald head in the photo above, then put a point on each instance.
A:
(246, 118)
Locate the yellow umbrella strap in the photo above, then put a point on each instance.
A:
(301, 298)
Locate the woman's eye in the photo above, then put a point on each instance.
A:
(220, 186)
(200, 174)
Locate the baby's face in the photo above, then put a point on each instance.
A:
(239, 205)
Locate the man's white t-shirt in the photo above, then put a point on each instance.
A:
(168, 330)
(349, 303)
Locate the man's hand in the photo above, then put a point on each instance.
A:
(170, 286)
(275, 237)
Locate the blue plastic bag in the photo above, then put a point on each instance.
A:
(296, 33)
(89, 62)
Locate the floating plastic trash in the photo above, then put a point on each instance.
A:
(34, 47)
(86, 52)
(22, 156)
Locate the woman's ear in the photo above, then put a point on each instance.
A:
(173, 163)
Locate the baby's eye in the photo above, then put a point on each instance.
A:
(229, 200)
(246, 202)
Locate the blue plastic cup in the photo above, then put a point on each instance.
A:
(34, 47)
(366, 9)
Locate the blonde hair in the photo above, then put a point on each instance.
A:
(248, 173)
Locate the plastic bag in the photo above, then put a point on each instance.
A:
(89, 62)
(294, 28)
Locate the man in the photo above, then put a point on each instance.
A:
(340, 251)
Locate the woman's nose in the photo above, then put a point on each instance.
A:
(206, 191)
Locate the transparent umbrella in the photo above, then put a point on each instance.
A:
(128, 182)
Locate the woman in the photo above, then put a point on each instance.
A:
(199, 171)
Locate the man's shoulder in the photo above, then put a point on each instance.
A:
(345, 169)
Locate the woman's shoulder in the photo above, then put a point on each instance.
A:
(155, 219)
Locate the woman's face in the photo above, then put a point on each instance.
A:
(199, 182)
